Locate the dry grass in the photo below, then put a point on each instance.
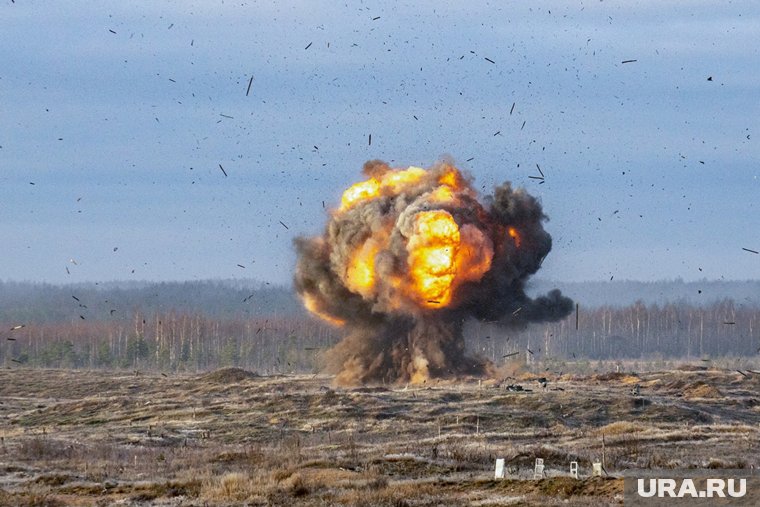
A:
(231, 438)
(620, 428)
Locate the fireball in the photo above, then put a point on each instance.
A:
(408, 255)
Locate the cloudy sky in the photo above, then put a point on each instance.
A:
(116, 116)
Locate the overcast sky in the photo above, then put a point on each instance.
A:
(116, 116)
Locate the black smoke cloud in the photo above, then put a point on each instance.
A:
(392, 334)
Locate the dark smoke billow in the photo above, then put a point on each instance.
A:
(408, 257)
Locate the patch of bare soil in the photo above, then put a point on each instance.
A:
(701, 390)
(228, 376)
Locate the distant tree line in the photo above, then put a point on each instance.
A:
(627, 292)
(183, 341)
(672, 330)
(230, 299)
(171, 342)
(114, 301)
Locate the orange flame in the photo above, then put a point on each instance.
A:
(442, 256)
(359, 192)
(394, 182)
(451, 177)
(442, 194)
(390, 183)
(360, 276)
(515, 236)
(431, 257)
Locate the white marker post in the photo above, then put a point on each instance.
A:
(538, 471)
(574, 469)
(499, 468)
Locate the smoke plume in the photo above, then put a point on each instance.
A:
(408, 257)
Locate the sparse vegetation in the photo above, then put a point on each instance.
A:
(232, 438)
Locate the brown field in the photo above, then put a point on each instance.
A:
(232, 438)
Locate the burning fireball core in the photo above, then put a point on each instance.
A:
(408, 255)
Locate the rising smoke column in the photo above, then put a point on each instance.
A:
(408, 257)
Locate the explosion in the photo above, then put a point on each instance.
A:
(408, 257)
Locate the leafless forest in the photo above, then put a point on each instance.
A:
(168, 327)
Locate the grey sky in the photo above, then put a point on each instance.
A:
(651, 168)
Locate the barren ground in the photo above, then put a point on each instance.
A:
(232, 438)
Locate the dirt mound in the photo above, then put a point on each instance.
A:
(229, 375)
(701, 390)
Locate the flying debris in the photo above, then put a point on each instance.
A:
(410, 255)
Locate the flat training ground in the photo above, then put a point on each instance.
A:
(231, 437)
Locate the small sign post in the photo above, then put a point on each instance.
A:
(538, 471)
(499, 468)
